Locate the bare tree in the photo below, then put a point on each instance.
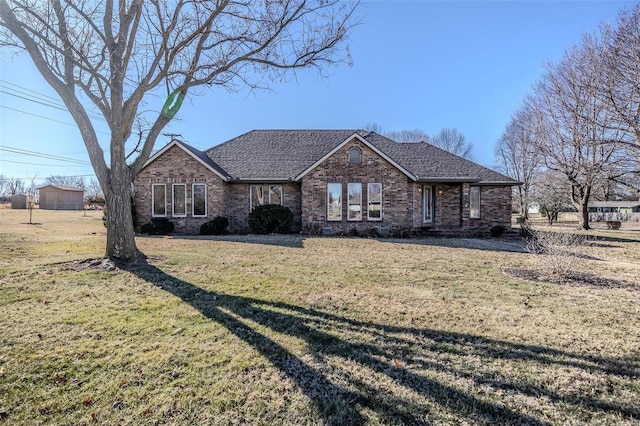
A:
(120, 56)
(3, 186)
(516, 155)
(412, 136)
(622, 89)
(580, 139)
(74, 181)
(94, 190)
(373, 127)
(15, 186)
(453, 141)
(551, 192)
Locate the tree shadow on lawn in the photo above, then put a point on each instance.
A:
(397, 353)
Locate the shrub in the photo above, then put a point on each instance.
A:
(270, 218)
(497, 231)
(217, 226)
(560, 256)
(373, 233)
(400, 232)
(158, 226)
(353, 232)
(312, 229)
(614, 224)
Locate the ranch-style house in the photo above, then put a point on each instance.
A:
(332, 180)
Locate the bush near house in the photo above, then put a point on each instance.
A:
(158, 226)
(217, 226)
(270, 218)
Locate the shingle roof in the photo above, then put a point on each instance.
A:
(430, 163)
(275, 154)
(284, 154)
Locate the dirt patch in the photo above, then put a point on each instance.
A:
(573, 278)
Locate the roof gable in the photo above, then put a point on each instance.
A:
(197, 155)
(357, 136)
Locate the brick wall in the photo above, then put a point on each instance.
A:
(239, 207)
(398, 193)
(495, 209)
(401, 198)
(176, 166)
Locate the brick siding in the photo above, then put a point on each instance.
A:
(401, 197)
(176, 166)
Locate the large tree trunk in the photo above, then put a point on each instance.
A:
(121, 243)
(580, 199)
(583, 217)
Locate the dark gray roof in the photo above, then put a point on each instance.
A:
(285, 154)
(203, 157)
(430, 163)
(275, 154)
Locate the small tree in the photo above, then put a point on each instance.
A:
(551, 192)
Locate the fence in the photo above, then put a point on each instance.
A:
(622, 217)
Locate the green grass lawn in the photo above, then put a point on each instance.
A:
(292, 330)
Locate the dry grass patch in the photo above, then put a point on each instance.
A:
(306, 331)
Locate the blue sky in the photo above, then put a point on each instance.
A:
(417, 64)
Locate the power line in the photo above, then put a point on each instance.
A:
(40, 98)
(47, 118)
(43, 165)
(42, 155)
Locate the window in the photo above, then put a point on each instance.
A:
(159, 199)
(354, 156)
(199, 192)
(275, 194)
(374, 201)
(427, 203)
(474, 202)
(334, 201)
(355, 201)
(179, 199)
(256, 196)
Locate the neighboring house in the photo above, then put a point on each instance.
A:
(58, 197)
(332, 180)
(624, 211)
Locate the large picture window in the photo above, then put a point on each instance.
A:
(179, 199)
(427, 204)
(334, 201)
(374, 201)
(199, 192)
(159, 199)
(474, 202)
(355, 201)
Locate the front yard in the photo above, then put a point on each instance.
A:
(293, 330)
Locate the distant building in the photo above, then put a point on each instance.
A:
(614, 207)
(19, 201)
(623, 211)
(58, 197)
